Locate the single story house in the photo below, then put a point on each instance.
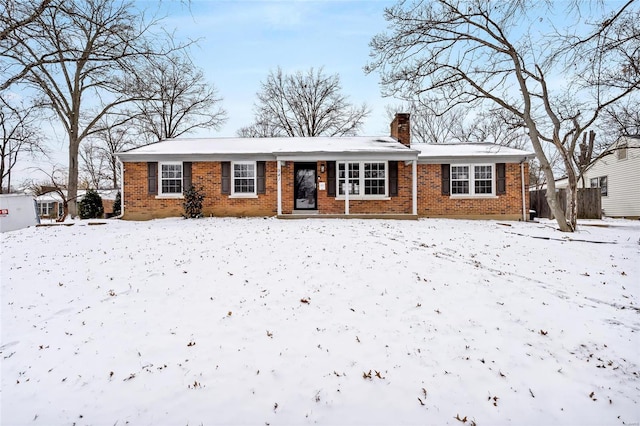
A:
(49, 205)
(326, 176)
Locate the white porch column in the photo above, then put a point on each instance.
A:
(279, 178)
(414, 166)
(346, 189)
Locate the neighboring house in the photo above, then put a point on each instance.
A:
(49, 205)
(329, 176)
(618, 176)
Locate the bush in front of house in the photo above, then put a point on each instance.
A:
(193, 202)
(117, 204)
(90, 207)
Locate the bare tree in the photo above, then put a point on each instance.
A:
(305, 104)
(179, 99)
(428, 125)
(260, 129)
(17, 19)
(624, 119)
(98, 46)
(475, 52)
(94, 167)
(19, 134)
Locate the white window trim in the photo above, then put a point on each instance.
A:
(361, 180)
(472, 186)
(170, 194)
(235, 194)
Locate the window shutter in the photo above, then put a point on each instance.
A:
(446, 188)
(262, 187)
(226, 177)
(186, 175)
(331, 178)
(152, 178)
(393, 178)
(501, 179)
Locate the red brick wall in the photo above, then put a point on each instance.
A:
(394, 205)
(432, 203)
(140, 205)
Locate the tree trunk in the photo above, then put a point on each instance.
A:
(72, 185)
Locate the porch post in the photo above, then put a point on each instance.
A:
(414, 167)
(279, 179)
(346, 189)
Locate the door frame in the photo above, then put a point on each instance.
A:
(305, 166)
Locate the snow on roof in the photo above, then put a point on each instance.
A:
(314, 148)
(277, 147)
(451, 152)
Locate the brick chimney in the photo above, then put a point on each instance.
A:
(401, 128)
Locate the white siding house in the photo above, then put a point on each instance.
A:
(618, 175)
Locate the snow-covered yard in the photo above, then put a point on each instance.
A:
(266, 321)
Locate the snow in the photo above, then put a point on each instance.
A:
(320, 321)
(275, 146)
(451, 152)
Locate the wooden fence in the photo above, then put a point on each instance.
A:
(589, 203)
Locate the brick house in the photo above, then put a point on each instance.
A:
(303, 176)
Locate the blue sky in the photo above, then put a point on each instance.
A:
(241, 41)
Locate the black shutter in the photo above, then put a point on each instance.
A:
(393, 178)
(261, 174)
(501, 179)
(331, 178)
(186, 175)
(446, 188)
(226, 177)
(152, 178)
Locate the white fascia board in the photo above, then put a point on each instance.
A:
(144, 158)
(348, 155)
(476, 159)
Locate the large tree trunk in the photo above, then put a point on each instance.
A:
(72, 185)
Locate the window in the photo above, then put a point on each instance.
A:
(600, 182)
(170, 178)
(472, 180)
(603, 185)
(244, 178)
(46, 208)
(622, 152)
(362, 178)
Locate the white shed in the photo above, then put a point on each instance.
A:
(17, 211)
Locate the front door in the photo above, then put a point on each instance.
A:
(304, 187)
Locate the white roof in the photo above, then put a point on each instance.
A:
(282, 148)
(473, 152)
(318, 148)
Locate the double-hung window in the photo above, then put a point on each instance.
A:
(170, 178)
(244, 178)
(46, 208)
(472, 179)
(601, 182)
(363, 178)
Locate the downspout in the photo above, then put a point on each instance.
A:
(415, 187)
(121, 189)
(524, 202)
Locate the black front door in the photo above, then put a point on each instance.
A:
(305, 195)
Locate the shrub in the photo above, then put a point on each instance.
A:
(193, 202)
(117, 204)
(90, 206)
